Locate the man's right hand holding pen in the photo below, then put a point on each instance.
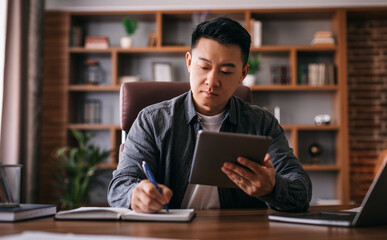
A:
(147, 199)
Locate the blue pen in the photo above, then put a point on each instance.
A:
(149, 175)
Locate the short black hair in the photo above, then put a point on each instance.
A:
(225, 31)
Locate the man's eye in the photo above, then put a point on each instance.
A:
(226, 72)
(204, 68)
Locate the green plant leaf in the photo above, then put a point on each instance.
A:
(76, 169)
(254, 62)
(130, 25)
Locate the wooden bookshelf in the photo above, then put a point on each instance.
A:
(173, 30)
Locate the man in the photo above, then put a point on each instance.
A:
(164, 135)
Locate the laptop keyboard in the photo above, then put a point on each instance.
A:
(338, 216)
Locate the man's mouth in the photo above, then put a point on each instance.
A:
(210, 93)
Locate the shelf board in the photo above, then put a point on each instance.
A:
(293, 88)
(77, 87)
(317, 167)
(88, 50)
(169, 49)
(164, 49)
(320, 48)
(86, 126)
(93, 88)
(309, 127)
(288, 48)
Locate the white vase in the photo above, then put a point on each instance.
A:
(249, 80)
(126, 42)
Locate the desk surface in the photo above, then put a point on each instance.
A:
(208, 224)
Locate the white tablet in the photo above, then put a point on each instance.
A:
(214, 148)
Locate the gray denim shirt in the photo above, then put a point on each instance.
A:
(164, 135)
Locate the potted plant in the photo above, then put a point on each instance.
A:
(77, 168)
(130, 26)
(254, 63)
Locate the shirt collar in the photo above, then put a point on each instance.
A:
(190, 113)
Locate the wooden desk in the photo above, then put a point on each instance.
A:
(208, 224)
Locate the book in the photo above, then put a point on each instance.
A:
(76, 35)
(26, 211)
(316, 74)
(280, 74)
(110, 213)
(323, 34)
(323, 38)
(96, 42)
(302, 74)
(256, 32)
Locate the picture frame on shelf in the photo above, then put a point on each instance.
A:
(162, 72)
(152, 39)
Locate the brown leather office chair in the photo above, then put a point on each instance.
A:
(134, 96)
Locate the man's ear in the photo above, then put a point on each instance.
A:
(245, 71)
(188, 60)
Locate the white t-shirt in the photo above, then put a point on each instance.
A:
(202, 196)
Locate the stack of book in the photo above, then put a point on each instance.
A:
(323, 38)
(256, 32)
(316, 74)
(280, 74)
(96, 42)
(26, 211)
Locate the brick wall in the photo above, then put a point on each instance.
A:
(367, 99)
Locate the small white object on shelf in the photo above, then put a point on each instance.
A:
(249, 80)
(162, 72)
(126, 42)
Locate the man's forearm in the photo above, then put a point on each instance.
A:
(290, 194)
(120, 191)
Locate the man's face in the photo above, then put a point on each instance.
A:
(215, 70)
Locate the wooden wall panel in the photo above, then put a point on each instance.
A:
(54, 117)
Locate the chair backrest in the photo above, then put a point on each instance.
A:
(134, 96)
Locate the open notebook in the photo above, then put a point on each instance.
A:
(371, 212)
(110, 213)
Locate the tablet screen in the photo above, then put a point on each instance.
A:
(214, 148)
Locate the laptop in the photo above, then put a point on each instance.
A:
(373, 210)
(214, 148)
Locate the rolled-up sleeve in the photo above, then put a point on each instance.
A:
(139, 146)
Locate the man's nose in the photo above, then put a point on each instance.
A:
(213, 79)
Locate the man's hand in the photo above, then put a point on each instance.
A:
(256, 180)
(146, 198)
